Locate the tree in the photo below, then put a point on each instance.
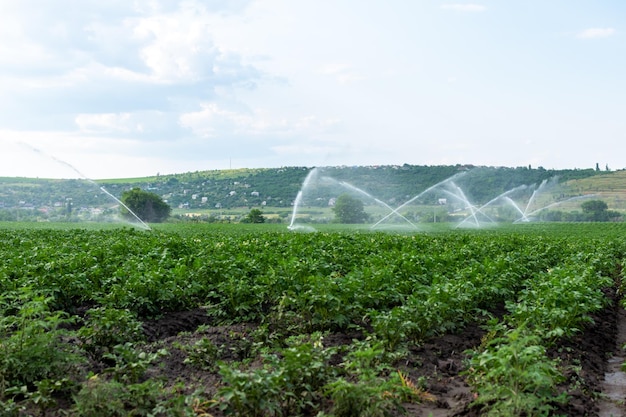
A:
(595, 210)
(149, 207)
(254, 216)
(349, 210)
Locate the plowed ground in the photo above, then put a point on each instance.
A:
(439, 361)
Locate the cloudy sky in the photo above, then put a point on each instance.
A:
(126, 88)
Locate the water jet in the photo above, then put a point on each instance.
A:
(140, 223)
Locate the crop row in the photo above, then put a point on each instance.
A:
(398, 290)
(241, 278)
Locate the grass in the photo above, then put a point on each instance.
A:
(64, 225)
(565, 229)
(208, 174)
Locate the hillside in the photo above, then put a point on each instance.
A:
(610, 188)
(278, 187)
(613, 181)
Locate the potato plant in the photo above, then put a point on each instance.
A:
(89, 293)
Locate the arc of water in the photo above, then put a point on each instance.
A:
(531, 200)
(418, 196)
(393, 211)
(505, 197)
(467, 204)
(83, 176)
(580, 197)
(460, 195)
(125, 206)
(295, 209)
(524, 218)
(298, 199)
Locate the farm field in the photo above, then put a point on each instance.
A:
(255, 320)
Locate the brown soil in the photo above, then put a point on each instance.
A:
(614, 384)
(439, 361)
(585, 359)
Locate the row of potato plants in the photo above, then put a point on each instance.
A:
(397, 289)
(511, 371)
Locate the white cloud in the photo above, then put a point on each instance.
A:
(168, 42)
(307, 149)
(343, 73)
(266, 82)
(213, 119)
(464, 7)
(336, 68)
(112, 68)
(176, 46)
(61, 154)
(109, 122)
(596, 33)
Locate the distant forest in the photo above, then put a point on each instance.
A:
(271, 187)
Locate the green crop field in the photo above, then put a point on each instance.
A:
(250, 320)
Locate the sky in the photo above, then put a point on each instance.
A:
(131, 88)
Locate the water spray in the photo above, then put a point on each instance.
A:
(84, 177)
(298, 199)
(368, 195)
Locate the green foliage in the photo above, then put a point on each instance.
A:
(364, 398)
(513, 376)
(595, 207)
(558, 303)
(397, 289)
(287, 385)
(254, 393)
(31, 346)
(349, 210)
(598, 211)
(277, 187)
(306, 369)
(255, 216)
(203, 354)
(108, 327)
(366, 390)
(148, 206)
(130, 364)
(110, 398)
(100, 398)
(43, 398)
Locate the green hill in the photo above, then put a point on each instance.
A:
(278, 187)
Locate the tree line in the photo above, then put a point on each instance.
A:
(272, 187)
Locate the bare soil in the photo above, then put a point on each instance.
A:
(585, 360)
(614, 384)
(439, 361)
